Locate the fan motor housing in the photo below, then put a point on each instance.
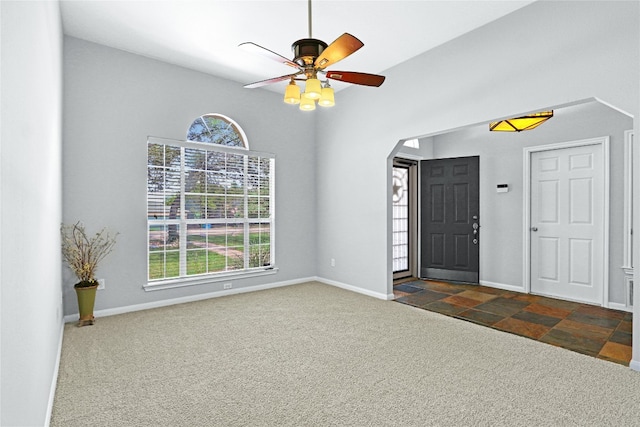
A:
(306, 51)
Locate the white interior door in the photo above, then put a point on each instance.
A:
(567, 223)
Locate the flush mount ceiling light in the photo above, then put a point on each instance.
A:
(311, 57)
(519, 124)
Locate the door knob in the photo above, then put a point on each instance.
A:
(534, 228)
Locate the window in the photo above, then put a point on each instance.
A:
(404, 229)
(412, 143)
(400, 218)
(210, 210)
(217, 129)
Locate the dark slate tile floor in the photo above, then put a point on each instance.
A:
(586, 329)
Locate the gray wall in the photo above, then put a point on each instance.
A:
(574, 51)
(501, 162)
(113, 101)
(30, 200)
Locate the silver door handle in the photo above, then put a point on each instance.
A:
(534, 228)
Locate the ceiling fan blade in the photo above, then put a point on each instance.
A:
(356, 78)
(254, 48)
(269, 81)
(341, 47)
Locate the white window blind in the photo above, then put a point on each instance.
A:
(210, 210)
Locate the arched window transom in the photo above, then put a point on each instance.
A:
(217, 129)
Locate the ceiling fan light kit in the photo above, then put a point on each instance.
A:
(307, 104)
(327, 99)
(292, 93)
(313, 88)
(518, 124)
(311, 57)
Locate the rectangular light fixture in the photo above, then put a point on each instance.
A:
(518, 124)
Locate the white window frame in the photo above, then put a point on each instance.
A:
(182, 222)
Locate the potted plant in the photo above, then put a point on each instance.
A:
(83, 253)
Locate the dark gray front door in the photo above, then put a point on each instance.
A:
(450, 223)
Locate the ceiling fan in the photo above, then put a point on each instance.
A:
(311, 58)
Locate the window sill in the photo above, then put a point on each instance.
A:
(205, 279)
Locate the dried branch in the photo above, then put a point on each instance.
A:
(83, 253)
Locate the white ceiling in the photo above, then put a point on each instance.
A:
(204, 35)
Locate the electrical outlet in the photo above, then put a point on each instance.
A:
(227, 286)
(100, 284)
(333, 262)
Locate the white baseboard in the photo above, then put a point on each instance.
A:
(352, 288)
(54, 380)
(611, 305)
(192, 298)
(621, 307)
(502, 286)
(635, 365)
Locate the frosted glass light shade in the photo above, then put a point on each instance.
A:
(313, 89)
(292, 93)
(307, 104)
(327, 99)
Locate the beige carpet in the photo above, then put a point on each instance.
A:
(315, 355)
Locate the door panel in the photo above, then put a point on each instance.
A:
(548, 211)
(567, 223)
(461, 203)
(450, 207)
(581, 204)
(581, 254)
(461, 250)
(437, 250)
(548, 256)
(437, 204)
